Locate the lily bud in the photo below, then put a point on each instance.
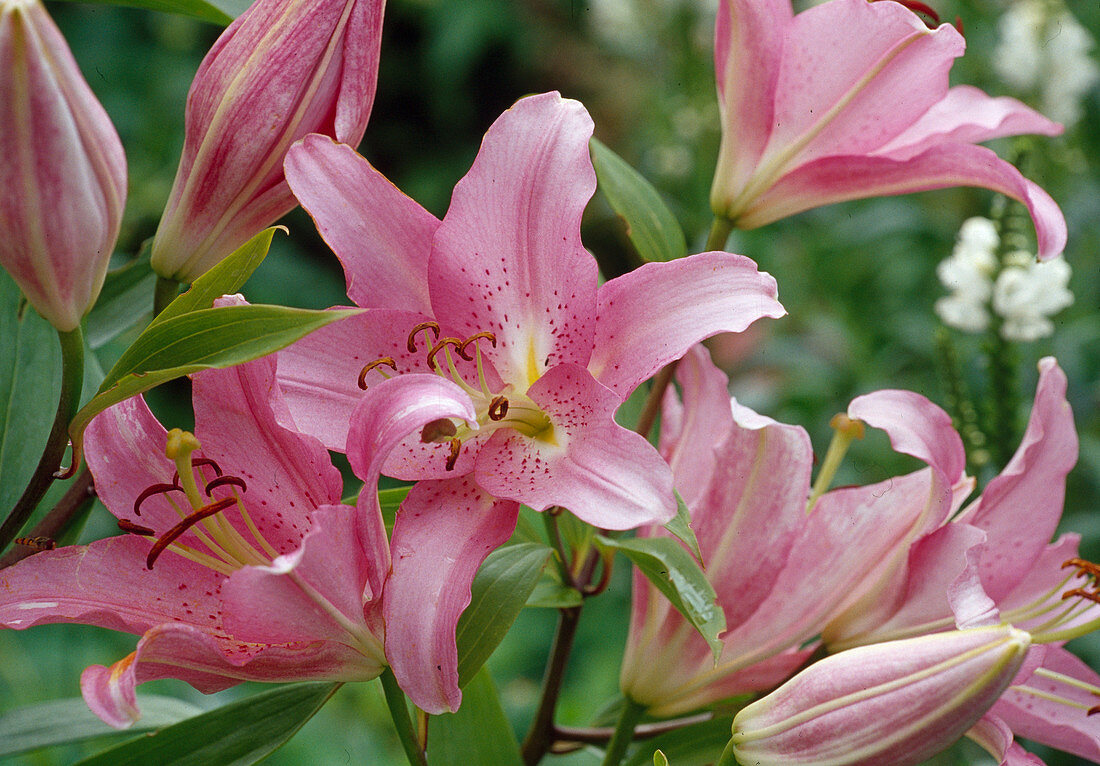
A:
(62, 170)
(888, 704)
(283, 69)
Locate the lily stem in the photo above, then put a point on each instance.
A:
(164, 293)
(72, 380)
(719, 232)
(402, 722)
(653, 399)
(624, 732)
(541, 734)
(80, 493)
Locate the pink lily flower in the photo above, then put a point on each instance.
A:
(850, 99)
(63, 170)
(890, 704)
(283, 69)
(781, 570)
(241, 563)
(500, 302)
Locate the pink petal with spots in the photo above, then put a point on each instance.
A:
(243, 423)
(191, 655)
(381, 236)
(444, 530)
(603, 473)
(1021, 507)
(107, 584)
(1052, 711)
(508, 257)
(654, 314)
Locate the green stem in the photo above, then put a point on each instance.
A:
(624, 732)
(72, 380)
(399, 712)
(54, 524)
(719, 232)
(541, 734)
(728, 758)
(654, 398)
(165, 292)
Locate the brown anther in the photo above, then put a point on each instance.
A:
(1084, 567)
(429, 325)
(137, 529)
(1093, 710)
(172, 534)
(386, 361)
(442, 344)
(200, 461)
(474, 339)
(40, 543)
(222, 481)
(438, 431)
(1082, 593)
(498, 408)
(156, 489)
(456, 447)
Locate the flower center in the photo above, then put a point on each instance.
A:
(504, 408)
(214, 541)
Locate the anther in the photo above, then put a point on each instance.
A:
(429, 325)
(222, 481)
(1093, 710)
(456, 447)
(498, 408)
(1083, 567)
(39, 543)
(386, 361)
(156, 489)
(201, 461)
(1091, 572)
(438, 431)
(137, 529)
(474, 339)
(442, 344)
(172, 534)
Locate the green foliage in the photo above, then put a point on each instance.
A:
(695, 745)
(680, 526)
(243, 732)
(219, 12)
(477, 733)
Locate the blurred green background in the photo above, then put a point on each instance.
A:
(858, 279)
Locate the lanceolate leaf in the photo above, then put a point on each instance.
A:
(681, 527)
(650, 225)
(125, 300)
(694, 745)
(219, 12)
(499, 591)
(478, 733)
(199, 340)
(676, 574)
(241, 733)
(61, 722)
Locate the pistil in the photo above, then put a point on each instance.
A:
(845, 431)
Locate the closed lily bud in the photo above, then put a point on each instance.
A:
(888, 704)
(283, 69)
(62, 170)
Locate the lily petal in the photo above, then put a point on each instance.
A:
(605, 474)
(996, 738)
(654, 314)
(444, 530)
(508, 257)
(381, 236)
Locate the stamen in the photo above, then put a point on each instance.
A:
(423, 326)
(386, 361)
(201, 461)
(40, 543)
(1092, 710)
(442, 344)
(456, 447)
(846, 430)
(156, 489)
(222, 481)
(137, 529)
(498, 408)
(474, 339)
(438, 431)
(170, 536)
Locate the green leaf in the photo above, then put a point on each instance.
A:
(199, 340)
(30, 381)
(674, 572)
(240, 733)
(219, 12)
(61, 722)
(551, 593)
(681, 528)
(659, 758)
(390, 500)
(478, 733)
(125, 300)
(695, 745)
(499, 591)
(650, 225)
(225, 278)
